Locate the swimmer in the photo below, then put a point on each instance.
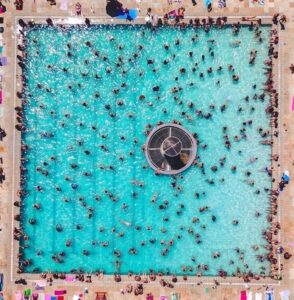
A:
(235, 43)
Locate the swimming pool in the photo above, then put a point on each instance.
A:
(92, 202)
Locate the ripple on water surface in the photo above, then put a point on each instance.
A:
(86, 125)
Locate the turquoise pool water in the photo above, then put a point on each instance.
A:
(86, 126)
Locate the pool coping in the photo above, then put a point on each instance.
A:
(108, 279)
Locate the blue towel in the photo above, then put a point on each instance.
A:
(207, 2)
(133, 13)
(269, 295)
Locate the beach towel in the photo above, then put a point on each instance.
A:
(1, 111)
(1, 274)
(163, 298)
(3, 61)
(258, 296)
(60, 297)
(243, 295)
(285, 295)
(207, 2)
(53, 298)
(269, 295)
(175, 296)
(133, 13)
(18, 296)
(35, 296)
(59, 292)
(170, 2)
(40, 283)
(249, 295)
(63, 5)
(47, 297)
(75, 297)
(149, 297)
(69, 278)
(41, 296)
(222, 3)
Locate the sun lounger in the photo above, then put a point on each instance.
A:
(258, 296)
(269, 295)
(285, 294)
(243, 295)
(133, 13)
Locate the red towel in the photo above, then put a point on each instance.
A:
(60, 298)
(59, 292)
(243, 295)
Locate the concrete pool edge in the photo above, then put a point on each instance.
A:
(16, 142)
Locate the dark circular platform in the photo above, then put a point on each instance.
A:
(170, 149)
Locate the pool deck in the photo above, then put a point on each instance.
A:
(198, 288)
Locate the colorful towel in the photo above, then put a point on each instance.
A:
(258, 296)
(59, 292)
(133, 13)
(285, 294)
(269, 295)
(1, 274)
(249, 296)
(243, 295)
(207, 2)
(64, 5)
(69, 278)
(18, 296)
(41, 296)
(222, 3)
(3, 61)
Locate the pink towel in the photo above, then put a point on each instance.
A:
(243, 295)
(59, 292)
(47, 297)
(69, 278)
(18, 296)
(63, 5)
(1, 97)
(293, 104)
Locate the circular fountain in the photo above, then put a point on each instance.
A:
(170, 149)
